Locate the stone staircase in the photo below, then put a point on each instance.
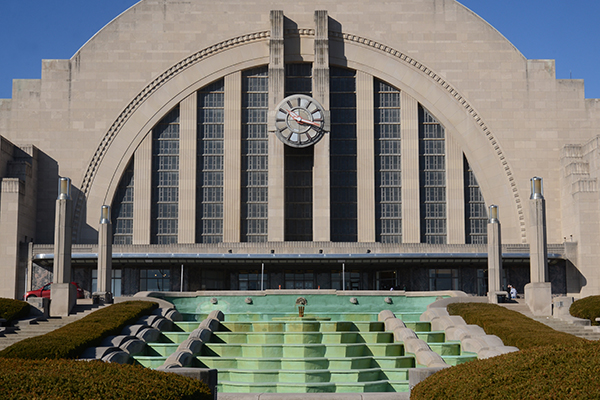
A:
(586, 332)
(338, 353)
(28, 328)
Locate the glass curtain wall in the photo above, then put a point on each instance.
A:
(475, 210)
(209, 195)
(122, 209)
(388, 171)
(298, 165)
(342, 92)
(255, 155)
(432, 178)
(165, 179)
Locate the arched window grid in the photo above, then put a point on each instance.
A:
(388, 171)
(343, 163)
(165, 179)
(298, 169)
(255, 155)
(298, 166)
(475, 211)
(432, 178)
(210, 134)
(122, 209)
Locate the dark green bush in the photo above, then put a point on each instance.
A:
(587, 308)
(550, 365)
(72, 339)
(71, 379)
(551, 372)
(512, 327)
(13, 309)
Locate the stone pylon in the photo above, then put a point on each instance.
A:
(63, 294)
(494, 255)
(538, 246)
(104, 257)
(538, 293)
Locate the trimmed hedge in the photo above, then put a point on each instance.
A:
(13, 309)
(587, 308)
(70, 379)
(512, 327)
(72, 339)
(551, 372)
(550, 365)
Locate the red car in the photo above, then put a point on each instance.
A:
(45, 291)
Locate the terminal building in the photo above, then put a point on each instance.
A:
(315, 144)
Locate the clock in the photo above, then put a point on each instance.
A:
(299, 121)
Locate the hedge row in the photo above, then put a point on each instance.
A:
(13, 309)
(551, 372)
(587, 308)
(512, 327)
(550, 365)
(72, 339)
(71, 379)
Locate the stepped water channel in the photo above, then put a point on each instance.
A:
(263, 345)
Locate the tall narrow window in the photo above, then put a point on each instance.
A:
(122, 209)
(298, 194)
(298, 165)
(432, 177)
(209, 214)
(165, 179)
(342, 93)
(255, 155)
(475, 211)
(388, 173)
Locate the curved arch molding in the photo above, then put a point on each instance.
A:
(176, 69)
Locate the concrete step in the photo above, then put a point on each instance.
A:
(518, 305)
(562, 326)
(28, 328)
(554, 323)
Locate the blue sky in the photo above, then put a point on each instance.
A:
(565, 30)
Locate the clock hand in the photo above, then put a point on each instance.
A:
(296, 117)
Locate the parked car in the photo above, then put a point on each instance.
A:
(44, 291)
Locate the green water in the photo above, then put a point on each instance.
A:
(338, 347)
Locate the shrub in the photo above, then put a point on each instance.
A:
(512, 327)
(70, 379)
(587, 308)
(550, 365)
(550, 372)
(13, 309)
(72, 339)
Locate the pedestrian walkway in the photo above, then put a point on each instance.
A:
(31, 328)
(586, 332)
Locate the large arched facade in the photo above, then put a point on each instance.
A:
(449, 107)
(429, 117)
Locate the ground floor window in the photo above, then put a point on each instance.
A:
(251, 280)
(299, 280)
(116, 282)
(443, 279)
(155, 279)
(351, 278)
(482, 282)
(215, 279)
(386, 280)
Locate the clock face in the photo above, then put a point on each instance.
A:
(299, 121)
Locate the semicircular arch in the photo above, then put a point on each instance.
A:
(452, 109)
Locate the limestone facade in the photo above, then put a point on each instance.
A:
(92, 117)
